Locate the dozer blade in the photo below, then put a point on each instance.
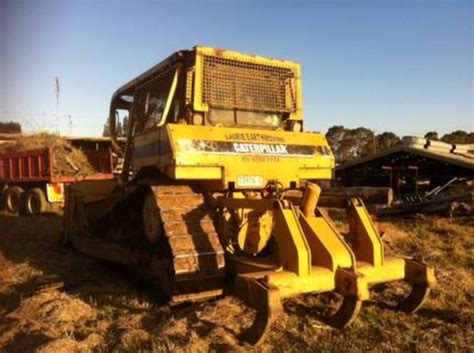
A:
(346, 314)
(415, 299)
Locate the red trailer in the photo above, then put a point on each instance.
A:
(29, 185)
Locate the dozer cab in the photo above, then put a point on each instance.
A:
(220, 181)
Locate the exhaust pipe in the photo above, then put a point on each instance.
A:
(310, 199)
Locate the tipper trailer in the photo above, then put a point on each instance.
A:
(30, 184)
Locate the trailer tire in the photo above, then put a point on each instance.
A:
(35, 202)
(3, 189)
(13, 200)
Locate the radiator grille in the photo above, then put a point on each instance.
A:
(232, 84)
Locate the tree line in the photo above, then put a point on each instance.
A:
(10, 127)
(348, 144)
(121, 127)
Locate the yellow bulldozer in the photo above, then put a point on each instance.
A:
(220, 191)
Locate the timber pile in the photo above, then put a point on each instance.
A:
(466, 150)
(68, 161)
(337, 196)
(456, 197)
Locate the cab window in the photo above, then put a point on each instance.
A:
(227, 117)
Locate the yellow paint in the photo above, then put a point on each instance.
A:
(255, 230)
(196, 173)
(244, 58)
(328, 249)
(281, 168)
(55, 192)
(368, 246)
(295, 254)
(170, 97)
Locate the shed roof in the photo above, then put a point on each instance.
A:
(457, 154)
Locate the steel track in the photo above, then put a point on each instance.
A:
(197, 258)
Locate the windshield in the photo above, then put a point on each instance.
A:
(226, 117)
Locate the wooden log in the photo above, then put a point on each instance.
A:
(337, 197)
(463, 148)
(440, 145)
(429, 205)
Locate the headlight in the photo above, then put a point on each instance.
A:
(296, 127)
(197, 119)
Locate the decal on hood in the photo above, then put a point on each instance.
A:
(227, 147)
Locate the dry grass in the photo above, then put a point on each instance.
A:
(69, 161)
(101, 309)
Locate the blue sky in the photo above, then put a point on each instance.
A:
(402, 66)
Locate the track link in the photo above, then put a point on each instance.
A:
(198, 262)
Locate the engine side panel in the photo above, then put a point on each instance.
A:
(248, 158)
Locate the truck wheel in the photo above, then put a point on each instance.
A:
(13, 200)
(3, 188)
(35, 202)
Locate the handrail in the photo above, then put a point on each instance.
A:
(170, 97)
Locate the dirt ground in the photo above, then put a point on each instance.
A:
(102, 309)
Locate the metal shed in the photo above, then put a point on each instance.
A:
(414, 165)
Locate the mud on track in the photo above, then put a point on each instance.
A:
(94, 307)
